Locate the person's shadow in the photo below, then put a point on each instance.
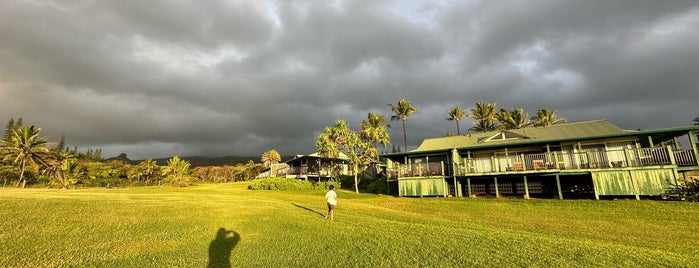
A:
(221, 247)
(302, 207)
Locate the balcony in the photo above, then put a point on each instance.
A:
(549, 162)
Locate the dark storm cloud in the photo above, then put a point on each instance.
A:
(162, 78)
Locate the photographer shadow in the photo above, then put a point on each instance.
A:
(221, 247)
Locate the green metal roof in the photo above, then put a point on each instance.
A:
(577, 131)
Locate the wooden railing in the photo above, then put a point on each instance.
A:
(685, 158)
(549, 161)
(304, 170)
(418, 170)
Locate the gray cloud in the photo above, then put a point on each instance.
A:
(167, 78)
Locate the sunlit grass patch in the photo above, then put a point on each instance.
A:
(163, 226)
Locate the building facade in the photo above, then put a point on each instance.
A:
(589, 159)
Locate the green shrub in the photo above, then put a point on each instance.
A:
(279, 184)
(690, 190)
(326, 184)
(378, 186)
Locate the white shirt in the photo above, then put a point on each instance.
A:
(331, 196)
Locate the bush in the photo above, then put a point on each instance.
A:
(690, 190)
(279, 184)
(326, 184)
(282, 184)
(378, 186)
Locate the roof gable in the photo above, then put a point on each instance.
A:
(504, 135)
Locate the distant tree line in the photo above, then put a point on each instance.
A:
(27, 158)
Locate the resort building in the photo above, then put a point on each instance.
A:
(313, 166)
(590, 159)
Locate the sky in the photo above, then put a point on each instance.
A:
(216, 78)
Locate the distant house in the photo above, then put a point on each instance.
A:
(590, 159)
(313, 166)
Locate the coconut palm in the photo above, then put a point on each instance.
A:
(270, 158)
(456, 114)
(59, 166)
(514, 119)
(546, 118)
(402, 111)
(375, 130)
(485, 116)
(146, 171)
(176, 172)
(25, 147)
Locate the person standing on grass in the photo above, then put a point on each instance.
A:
(331, 198)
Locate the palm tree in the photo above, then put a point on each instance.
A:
(514, 119)
(270, 158)
(375, 130)
(25, 147)
(402, 111)
(485, 116)
(146, 170)
(177, 171)
(545, 118)
(59, 167)
(456, 114)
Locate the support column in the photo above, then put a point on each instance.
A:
(497, 191)
(671, 154)
(650, 141)
(558, 185)
(549, 162)
(456, 188)
(693, 142)
(468, 183)
(526, 188)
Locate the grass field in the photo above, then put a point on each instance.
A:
(178, 227)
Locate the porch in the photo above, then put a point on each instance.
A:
(450, 165)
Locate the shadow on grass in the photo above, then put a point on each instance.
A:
(221, 247)
(316, 212)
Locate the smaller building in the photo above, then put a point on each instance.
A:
(314, 167)
(584, 159)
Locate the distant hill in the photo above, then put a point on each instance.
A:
(198, 161)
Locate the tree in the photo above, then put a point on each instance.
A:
(341, 139)
(59, 167)
(176, 172)
(456, 114)
(25, 147)
(375, 130)
(146, 171)
(11, 126)
(8, 129)
(402, 111)
(696, 121)
(270, 158)
(485, 116)
(546, 118)
(514, 119)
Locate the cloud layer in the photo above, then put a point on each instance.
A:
(167, 78)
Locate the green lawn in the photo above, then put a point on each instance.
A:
(177, 227)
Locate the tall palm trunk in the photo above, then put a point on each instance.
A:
(405, 138)
(22, 167)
